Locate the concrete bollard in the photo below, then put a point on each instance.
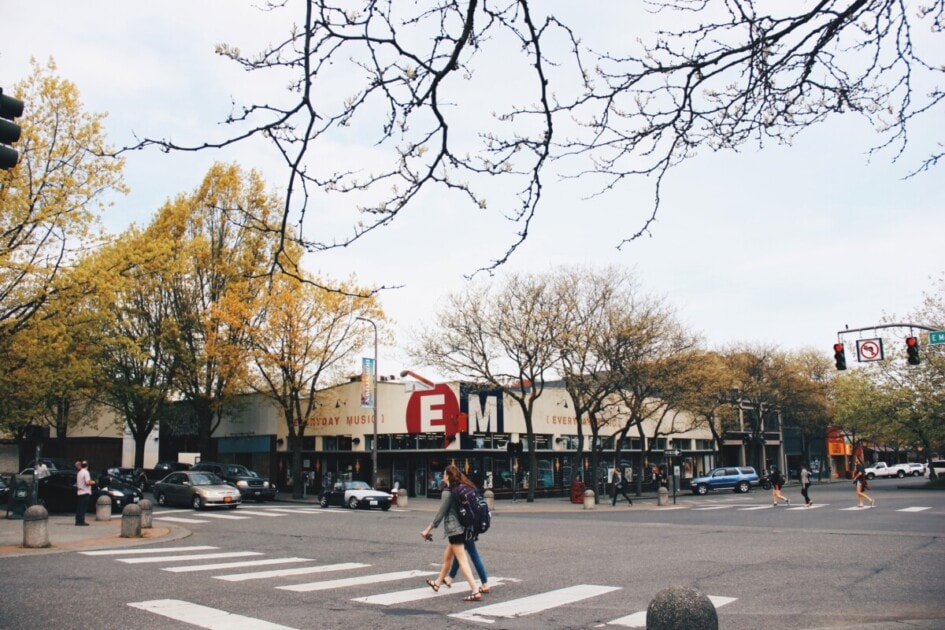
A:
(662, 496)
(402, 497)
(103, 508)
(147, 511)
(589, 503)
(131, 521)
(681, 608)
(35, 527)
(489, 496)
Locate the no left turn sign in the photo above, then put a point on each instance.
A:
(869, 350)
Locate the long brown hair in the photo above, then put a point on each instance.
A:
(454, 476)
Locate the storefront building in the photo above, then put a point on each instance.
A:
(422, 429)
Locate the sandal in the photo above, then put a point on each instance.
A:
(484, 589)
(448, 582)
(433, 585)
(475, 597)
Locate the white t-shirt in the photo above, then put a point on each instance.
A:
(82, 480)
(42, 471)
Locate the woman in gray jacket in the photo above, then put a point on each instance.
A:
(456, 534)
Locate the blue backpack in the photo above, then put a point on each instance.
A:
(472, 508)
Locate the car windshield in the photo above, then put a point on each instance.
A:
(205, 479)
(357, 485)
(239, 470)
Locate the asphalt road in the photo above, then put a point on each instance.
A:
(552, 565)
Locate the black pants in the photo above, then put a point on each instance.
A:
(619, 488)
(804, 488)
(81, 507)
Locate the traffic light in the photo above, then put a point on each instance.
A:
(839, 356)
(912, 350)
(10, 108)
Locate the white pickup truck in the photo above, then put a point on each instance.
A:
(882, 469)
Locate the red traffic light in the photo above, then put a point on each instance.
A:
(912, 351)
(838, 347)
(912, 342)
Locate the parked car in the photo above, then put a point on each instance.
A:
(150, 476)
(737, 478)
(52, 464)
(918, 469)
(4, 491)
(198, 489)
(250, 484)
(58, 492)
(882, 469)
(355, 494)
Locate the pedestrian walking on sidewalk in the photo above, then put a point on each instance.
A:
(777, 480)
(83, 491)
(620, 486)
(456, 535)
(805, 484)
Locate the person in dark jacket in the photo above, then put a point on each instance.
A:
(776, 482)
(456, 535)
(620, 486)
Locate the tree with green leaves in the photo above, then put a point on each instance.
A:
(299, 337)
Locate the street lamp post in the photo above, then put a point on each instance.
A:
(374, 398)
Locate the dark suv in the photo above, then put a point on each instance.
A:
(737, 478)
(250, 485)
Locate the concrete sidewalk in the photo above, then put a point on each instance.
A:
(65, 536)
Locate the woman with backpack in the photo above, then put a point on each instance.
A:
(456, 535)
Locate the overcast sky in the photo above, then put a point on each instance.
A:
(783, 246)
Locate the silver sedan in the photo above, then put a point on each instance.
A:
(196, 489)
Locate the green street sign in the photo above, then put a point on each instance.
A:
(936, 337)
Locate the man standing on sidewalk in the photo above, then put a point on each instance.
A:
(83, 490)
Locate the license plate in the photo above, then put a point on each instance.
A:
(373, 502)
(227, 499)
(256, 492)
(136, 499)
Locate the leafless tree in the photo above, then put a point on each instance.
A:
(418, 82)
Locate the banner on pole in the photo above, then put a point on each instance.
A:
(367, 382)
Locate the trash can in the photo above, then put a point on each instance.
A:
(577, 492)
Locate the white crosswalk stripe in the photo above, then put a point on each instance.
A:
(264, 575)
(196, 556)
(425, 592)
(638, 619)
(914, 509)
(358, 581)
(177, 519)
(804, 507)
(225, 517)
(135, 550)
(269, 513)
(234, 565)
(534, 603)
(204, 616)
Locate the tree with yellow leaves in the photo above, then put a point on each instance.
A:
(300, 335)
(47, 201)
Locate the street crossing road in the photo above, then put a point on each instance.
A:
(494, 607)
(191, 517)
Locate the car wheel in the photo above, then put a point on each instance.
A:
(901, 474)
(702, 489)
(870, 477)
(743, 486)
(353, 503)
(196, 502)
(916, 473)
(323, 502)
(161, 499)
